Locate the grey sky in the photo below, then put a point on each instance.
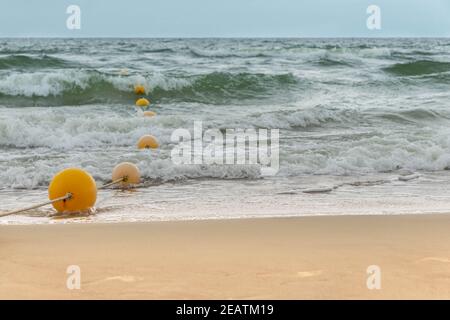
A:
(225, 18)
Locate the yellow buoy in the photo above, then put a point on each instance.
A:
(128, 172)
(79, 184)
(149, 114)
(142, 102)
(148, 142)
(139, 89)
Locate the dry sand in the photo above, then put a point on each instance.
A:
(292, 258)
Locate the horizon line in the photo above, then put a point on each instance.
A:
(236, 37)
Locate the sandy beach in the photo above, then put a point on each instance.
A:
(289, 258)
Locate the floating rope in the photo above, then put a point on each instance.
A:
(64, 198)
(124, 179)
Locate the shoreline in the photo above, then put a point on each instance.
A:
(71, 220)
(231, 199)
(68, 220)
(324, 257)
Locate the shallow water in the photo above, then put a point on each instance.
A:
(379, 194)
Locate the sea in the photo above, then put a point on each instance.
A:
(364, 125)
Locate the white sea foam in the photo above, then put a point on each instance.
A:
(53, 83)
(40, 140)
(41, 83)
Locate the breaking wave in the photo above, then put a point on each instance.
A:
(30, 62)
(78, 87)
(418, 68)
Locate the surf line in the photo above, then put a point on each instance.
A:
(74, 190)
(325, 189)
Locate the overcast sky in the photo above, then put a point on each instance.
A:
(225, 18)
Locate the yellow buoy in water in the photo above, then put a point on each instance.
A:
(79, 184)
(142, 102)
(139, 89)
(149, 114)
(128, 172)
(148, 142)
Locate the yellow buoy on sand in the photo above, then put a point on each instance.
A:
(148, 142)
(139, 89)
(128, 172)
(149, 114)
(142, 102)
(79, 184)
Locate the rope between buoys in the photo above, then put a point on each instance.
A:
(66, 197)
(124, 179)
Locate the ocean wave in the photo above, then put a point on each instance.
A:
(222, 87)
(367, 154)
(66, 87)
(94, 126)
(318, 116)
(157, 50)
(28, 50)
(323, 116)
(412, 116)
(199, 53)
(418, 68)
(360, 155)
(328, 61)
(153, 171)
(37, 144)
(408, 54)
(165, 171)
(30, 169)
(78, 87)
(91, 126)
(32, 62)
(67, 128)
